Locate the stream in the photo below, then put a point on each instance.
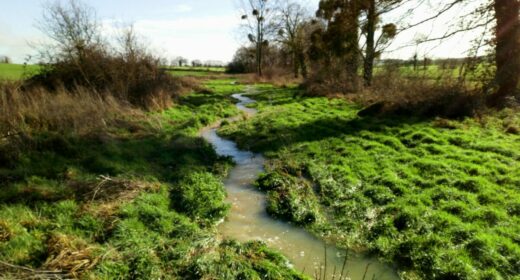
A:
(248, 219)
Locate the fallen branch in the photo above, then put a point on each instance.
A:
(35, 273)
(104, 180)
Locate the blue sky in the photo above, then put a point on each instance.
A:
(196, 29)
(201, 29)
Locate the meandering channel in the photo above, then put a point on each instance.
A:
(248, 219)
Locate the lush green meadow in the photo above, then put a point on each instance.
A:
(138, 201)
(439, 198)
(16, 71)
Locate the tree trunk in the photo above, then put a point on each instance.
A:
(303, 65)
(352, 58)
(296, 65)
(370, 48)
(259, 59)
(507, 50)
(259, 43)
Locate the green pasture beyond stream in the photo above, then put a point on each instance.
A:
(438, 198)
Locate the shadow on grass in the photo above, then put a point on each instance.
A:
(266, 138)
(197, 100)
(50, 167)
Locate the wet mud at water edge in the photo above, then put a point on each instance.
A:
(248, 219)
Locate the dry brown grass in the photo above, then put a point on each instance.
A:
(107, 189)
(80, 112)
(394, 93)
(104, 197)
(421, 97)
(71, 255)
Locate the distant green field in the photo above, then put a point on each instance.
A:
(439, 72)
(16, 71)
(195, 71)
(202, 69)
(190, 73)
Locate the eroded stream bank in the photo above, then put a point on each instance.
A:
(248, 219)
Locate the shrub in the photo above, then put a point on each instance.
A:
(134, 78)
(79, 56)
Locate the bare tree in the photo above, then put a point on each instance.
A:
(196, 63)
(72, 26)
(180, 61)
(505, 14)
(293, 19)
(75, 32)
(259, 18)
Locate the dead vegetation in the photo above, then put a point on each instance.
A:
(11, 271)
(79, 111)
(419, 97)
(274, 77)
(137, 80)
(5, 231)
(70, 255)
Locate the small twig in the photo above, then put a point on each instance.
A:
(325, 272)
(344, 265)
(105, 179)
(366, 271)
(43, 274)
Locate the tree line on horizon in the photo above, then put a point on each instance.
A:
(344, 38)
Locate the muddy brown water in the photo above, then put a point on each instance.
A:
(248, 219)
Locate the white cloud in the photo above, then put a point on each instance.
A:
(205, 38)
(194, 25)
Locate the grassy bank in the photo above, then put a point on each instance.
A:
(439, 198)
(137, 199)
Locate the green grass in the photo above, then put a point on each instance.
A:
(196, 71)
(437, 72)
(138, 201)
(438, 198)
(199, 68)
(16, 71)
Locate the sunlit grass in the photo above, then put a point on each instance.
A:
(436, 197)
(16, 71)
(138, 201)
